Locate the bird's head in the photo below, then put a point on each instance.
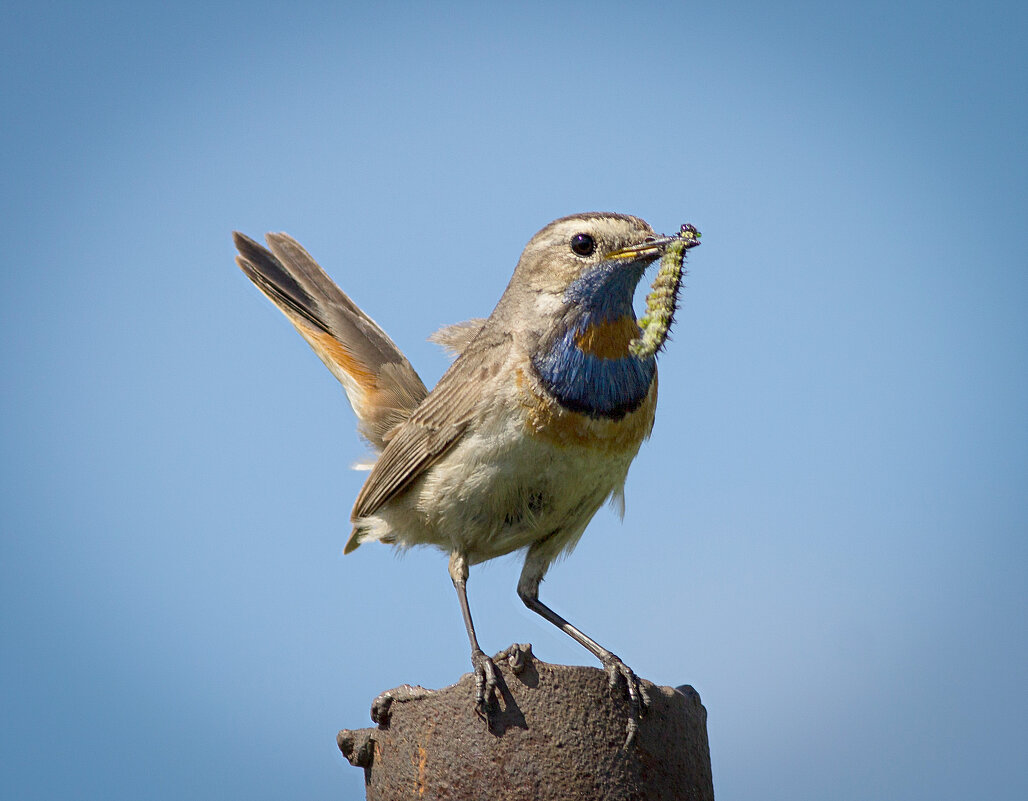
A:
(573, 288)
(587, 262)
(582, 271)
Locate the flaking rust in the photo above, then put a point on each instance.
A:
(662, 300)
(557, 736)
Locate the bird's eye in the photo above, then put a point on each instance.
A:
(583, 244)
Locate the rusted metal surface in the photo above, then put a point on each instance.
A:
(560, 734)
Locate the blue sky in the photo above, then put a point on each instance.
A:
(825, 535)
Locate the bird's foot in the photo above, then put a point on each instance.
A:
(638, 701)
(380, 707)
(487, 682)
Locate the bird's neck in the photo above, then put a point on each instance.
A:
(586, 364)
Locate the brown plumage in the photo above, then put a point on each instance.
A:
(531, 429)
(380, 383)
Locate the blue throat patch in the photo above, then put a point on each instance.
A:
(587, 382)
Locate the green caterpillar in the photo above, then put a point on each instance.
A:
(662, 301)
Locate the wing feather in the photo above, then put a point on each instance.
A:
(436, 425)
(454, 339)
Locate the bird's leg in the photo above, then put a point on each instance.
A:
(617, 671)
(486, 677)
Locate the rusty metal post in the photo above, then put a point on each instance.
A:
(559, 735)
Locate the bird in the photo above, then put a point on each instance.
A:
(528, 433)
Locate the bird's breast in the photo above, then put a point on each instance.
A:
(588, 368)
(546, 419)
(607, 339)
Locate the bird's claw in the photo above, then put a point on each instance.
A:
(638, 700)
(487, 682)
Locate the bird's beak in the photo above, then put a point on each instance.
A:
(653, 246)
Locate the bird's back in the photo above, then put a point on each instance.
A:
(494, 462)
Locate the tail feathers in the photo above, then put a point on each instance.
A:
(380, 383)
(362, 533)
(354, 542)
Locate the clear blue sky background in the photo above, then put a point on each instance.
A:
(826, 534)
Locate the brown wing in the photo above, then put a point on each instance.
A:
(434, 427)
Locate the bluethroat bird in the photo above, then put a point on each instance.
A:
(526, 435)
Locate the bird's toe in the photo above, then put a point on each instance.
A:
(618, 674)
(487, 683)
